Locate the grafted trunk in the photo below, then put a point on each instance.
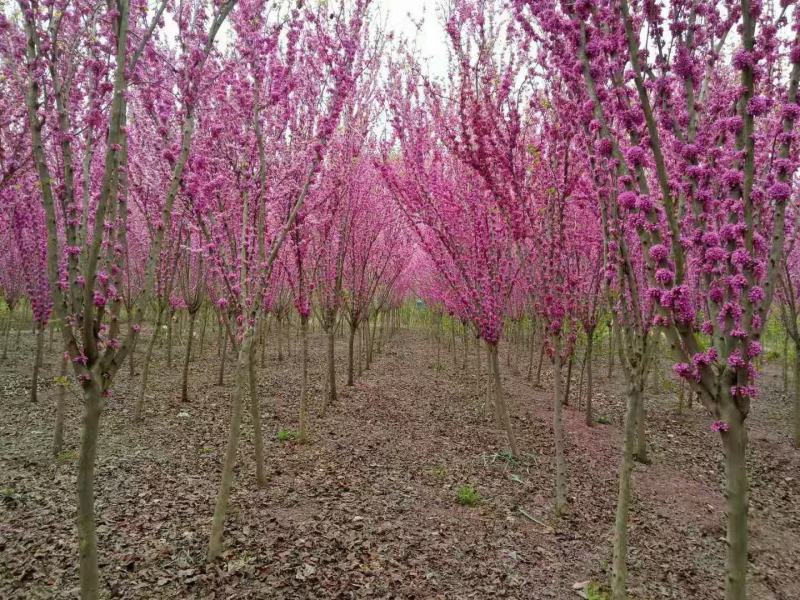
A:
(226, 480)
(58, 430)
(255, 416)
(187, 358)
(560, 497)
(500, 403)
(302, 435)
(139, 413)
(87, 535)
(37, 363)
(619, 578)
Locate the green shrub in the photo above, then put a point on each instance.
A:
(467, 496)
(603, 420)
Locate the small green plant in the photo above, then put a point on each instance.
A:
(467, 495)
(595, 591)
(603, 420)
(10, 497)
(286, 435)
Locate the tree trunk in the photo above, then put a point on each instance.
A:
(619, 577)
(734, 442)
(331, 367)
(58, 434)
(139, 413)
(255, 416)
(350, 355)
(641, 433)
(185, 385)
(611, 350)
(589, 381)
(785, 361)
(500, 403)
(569, 378)
(7, 335)
(226, 481)
(302, 435)
(87, 536)
(539, 368)
(221, 373)
(170, 315)
(203, 330)
(560, 499)
(37, 363)
(132, 353)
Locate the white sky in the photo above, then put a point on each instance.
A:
(430, 39)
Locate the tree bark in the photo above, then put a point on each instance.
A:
(170, 314)
(560, 498)
(302, 435)
(87, 535)
(255, 416)
(37, 363)
(735, 444)
(58, 433)
(499, 400)
(797, 396)
(331, 367)
(619, 577)
(350, 355)
(641, 433)
(187, 358)
(589, 380)
(221, 374)
(569, 378)
(226, 480)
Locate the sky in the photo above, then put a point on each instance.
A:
(430, 38)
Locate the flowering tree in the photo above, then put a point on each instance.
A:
(702, 151)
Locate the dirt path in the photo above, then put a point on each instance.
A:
(367, 510)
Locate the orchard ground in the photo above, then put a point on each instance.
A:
(368, 508)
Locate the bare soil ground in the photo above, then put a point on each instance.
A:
(368, 508)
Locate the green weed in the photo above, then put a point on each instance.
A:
(467, 495)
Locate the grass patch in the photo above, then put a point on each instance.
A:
(66, 456)
(603, 420)
(467, 495)
(286, 435)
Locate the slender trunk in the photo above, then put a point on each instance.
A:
(146, 367)
(358, 349)
(87, 536)
(132, 353)
(278, 331)
(499, 401)
(255, 416)
(620, 565)
(682, 395)
(560, 499)
(50, 338)
(350, 355)
(453, 343)
(530, 359)
(37, 362)
(466, 348)
(203, 331)
(785, 361)
(611, 350)
(569, 378)
(58, 434)
(641, 433)
(589, 382)
(221, 373)
(797, 396)
(734, 442)
(185, 385)
(226, 480)
(331, 367)
(302, 436)
(538, 382)
(170, 315)
(7, 335)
